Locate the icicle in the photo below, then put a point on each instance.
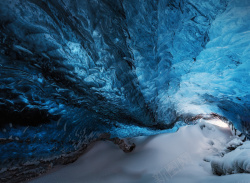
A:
(58, 121)
(65, 127)
(25, 129)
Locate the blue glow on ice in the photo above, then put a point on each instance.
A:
(69, 69)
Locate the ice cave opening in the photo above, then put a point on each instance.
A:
(126, 91)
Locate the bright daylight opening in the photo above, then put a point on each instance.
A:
(218, 122)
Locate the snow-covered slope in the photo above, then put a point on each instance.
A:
(178, 157)
(237, 161)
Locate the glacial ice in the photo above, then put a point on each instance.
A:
(71, 70)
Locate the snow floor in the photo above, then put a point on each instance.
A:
(180, 157)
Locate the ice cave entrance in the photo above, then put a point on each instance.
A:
(218, 122)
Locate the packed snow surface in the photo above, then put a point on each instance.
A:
(178, 157)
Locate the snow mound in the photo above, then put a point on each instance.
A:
(237, 161)
(233, 144)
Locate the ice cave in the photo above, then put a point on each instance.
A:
(124, 91)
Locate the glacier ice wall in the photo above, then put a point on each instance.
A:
(218, 80)
(70, 70)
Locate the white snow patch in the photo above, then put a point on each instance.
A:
(237, 161)
(174, 158)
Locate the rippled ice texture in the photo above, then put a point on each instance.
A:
(70, 70)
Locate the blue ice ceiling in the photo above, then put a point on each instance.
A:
(72, 69)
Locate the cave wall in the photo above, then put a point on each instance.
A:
(72, 70)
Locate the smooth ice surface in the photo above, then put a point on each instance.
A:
(176, 158)
(71, 70)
